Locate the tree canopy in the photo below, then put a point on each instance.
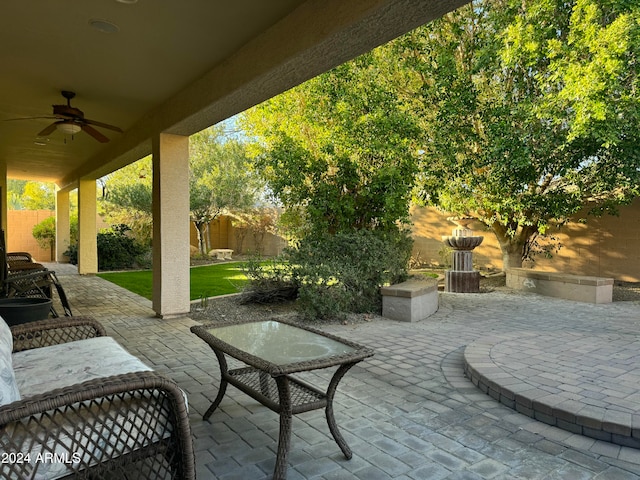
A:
(29, 195)
(529, 112)
(128, 198)
(221, 179)
(340, 153)
(339, 148)
(517, 113)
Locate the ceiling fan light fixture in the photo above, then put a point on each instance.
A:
(68, 128)
(103, 26)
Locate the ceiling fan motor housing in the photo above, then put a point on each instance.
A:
(67, 111)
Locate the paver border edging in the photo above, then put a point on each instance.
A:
(553, 409)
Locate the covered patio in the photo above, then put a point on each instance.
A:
(139, 78)
(407, 413)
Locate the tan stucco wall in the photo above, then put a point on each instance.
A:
(222, 234)
(271, 244)
(606, 246)
(20, 224)
(429, 225)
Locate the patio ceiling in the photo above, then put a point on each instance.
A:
(172, 66)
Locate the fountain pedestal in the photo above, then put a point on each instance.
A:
(462, 282)
(462, 278)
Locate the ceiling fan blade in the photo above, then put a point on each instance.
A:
(48, 130)
(94, 133)
(103, 125)
(28, 118)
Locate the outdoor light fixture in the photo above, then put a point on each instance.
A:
(103, 26)
(68, 128)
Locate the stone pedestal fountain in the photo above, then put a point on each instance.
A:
(462, 278)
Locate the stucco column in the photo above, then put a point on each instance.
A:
(63, 225)
(87, 228)
(171, 226)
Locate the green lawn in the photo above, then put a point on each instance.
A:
(207, 281)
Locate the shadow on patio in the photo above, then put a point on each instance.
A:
(407, 413)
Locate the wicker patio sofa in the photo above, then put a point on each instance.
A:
(75, 404)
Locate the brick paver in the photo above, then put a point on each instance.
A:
(408, 412)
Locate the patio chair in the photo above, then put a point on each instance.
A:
(35, 282)
(20, 261)
(75, 404)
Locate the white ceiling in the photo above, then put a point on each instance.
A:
(173, 66)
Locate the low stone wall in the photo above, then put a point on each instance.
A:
(410, 301)
(580, 288)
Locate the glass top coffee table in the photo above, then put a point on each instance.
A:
(272, 351)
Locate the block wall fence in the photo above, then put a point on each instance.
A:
(20, 224)
(222, 234)
(608, 246)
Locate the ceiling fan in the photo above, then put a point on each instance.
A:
(70, 120)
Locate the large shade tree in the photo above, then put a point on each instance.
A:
(340, 153)
(530, 112)
(127, 198)
(221, 179)
(28, 195)
(339, 148)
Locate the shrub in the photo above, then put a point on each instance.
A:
(72, 254)
(332, 274)
(116, 250)
(344, 272)
(45, 234)
(270, 281)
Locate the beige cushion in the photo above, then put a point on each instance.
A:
(9, 391)
(40, 370)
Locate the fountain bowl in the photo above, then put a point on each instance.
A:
(462, 243)
(462, 222)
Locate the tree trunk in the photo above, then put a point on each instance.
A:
(240, 234)
(511, 259)
(512, 247)
(258, 238)
(201, 230)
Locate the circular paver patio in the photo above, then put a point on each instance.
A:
(582, 382)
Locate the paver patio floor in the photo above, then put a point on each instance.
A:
(408, 412)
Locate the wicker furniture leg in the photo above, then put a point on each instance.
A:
(223, 384)
(284, 436)
(264, 383)
(331, 421)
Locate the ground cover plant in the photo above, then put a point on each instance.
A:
(206, 281)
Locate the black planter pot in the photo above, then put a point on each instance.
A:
(22, 310)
